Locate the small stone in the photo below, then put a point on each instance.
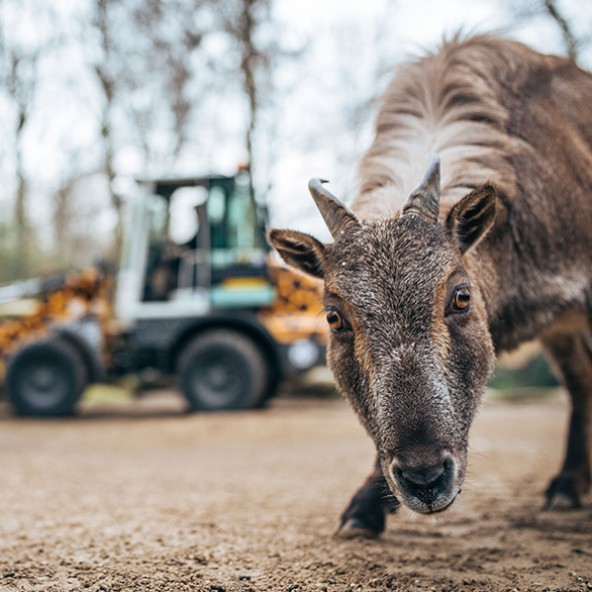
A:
(217, 588)
(9, 574)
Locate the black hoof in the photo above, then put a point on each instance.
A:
(562, 494)
(354, 528)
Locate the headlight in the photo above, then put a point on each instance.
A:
(304, 354)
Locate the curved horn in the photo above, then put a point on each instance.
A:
(336, 215)
(425, 199)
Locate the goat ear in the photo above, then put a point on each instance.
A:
(299, 250)
(471, 218)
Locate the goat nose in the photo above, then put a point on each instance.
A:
(424, 475)
(425, 479)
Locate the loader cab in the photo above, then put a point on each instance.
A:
(192, 245)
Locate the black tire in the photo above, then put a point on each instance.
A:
(46, 378)
(223, 370)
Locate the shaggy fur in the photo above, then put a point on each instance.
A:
(513, 129)
(461, 103)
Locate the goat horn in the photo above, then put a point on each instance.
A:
(425, 199)
(336, 215)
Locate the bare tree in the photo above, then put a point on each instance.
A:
(150, 73)
(524, 11)
(569, 38)
(242, 19)
(104, 69)
(172, 33)
(77, 239)
(18, 78)
(21, 85)
(253, 60)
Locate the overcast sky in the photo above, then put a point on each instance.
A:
(354, 44)
(321, 119)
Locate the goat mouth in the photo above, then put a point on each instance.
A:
(436, 506)
(429, 487)
(442, 508)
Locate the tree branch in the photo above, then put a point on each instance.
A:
(570, 40)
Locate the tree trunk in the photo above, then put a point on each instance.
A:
(21, 222)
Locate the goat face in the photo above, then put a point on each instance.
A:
(409, 344)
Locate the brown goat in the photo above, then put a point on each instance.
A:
(421, 293)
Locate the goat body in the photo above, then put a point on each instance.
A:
(421, 292)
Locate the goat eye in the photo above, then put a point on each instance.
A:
(461, 299)
(335, 321)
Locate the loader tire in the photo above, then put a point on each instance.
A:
(46, 378)
(223, 370)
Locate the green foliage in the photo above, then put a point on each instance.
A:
(7, 252)
(535, 373)
(41, 260)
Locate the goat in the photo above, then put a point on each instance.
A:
(421, 293)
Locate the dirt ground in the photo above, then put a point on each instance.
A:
(140, 497)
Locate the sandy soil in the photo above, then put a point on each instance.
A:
(139, 497)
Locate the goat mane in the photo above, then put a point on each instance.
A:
(454, 103)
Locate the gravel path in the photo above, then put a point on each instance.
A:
(139, 497)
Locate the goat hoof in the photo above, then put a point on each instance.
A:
(354, 528)
(563, 494)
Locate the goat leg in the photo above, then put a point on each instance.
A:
(365, 516)
(573, 358)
